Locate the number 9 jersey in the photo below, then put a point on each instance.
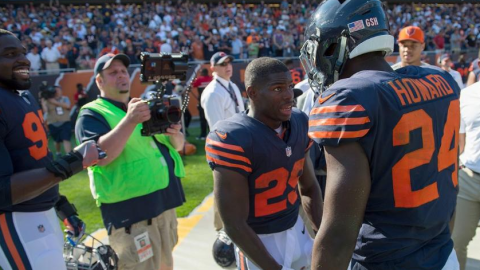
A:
(271, 164)
(23, 146)
(407, 123)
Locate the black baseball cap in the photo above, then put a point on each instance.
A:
(105, 61)
(219, 58)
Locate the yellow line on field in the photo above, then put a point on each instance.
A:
(206, 205)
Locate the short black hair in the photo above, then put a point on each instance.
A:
(288, 62)
(259, 69)
(4, 32)
(204, 72)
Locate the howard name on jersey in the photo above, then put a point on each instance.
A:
(272, 165)
(407, 123)
(23, 146)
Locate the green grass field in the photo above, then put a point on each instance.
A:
(197, 184)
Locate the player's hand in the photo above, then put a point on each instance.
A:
(90, 153)
(75, 226)
(174, 129)
(138, 111)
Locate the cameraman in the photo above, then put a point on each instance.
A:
(137, 187)
(57, 109)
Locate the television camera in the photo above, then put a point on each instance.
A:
(46, 91)
(159, 68)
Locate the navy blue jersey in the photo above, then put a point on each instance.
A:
(271, 164)
(23, 147)
(407, 123)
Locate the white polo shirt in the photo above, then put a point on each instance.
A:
(217, 102)
(470, 125)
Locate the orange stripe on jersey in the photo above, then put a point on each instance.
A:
(242, 260)
(339, 121)
(337, 108)
(225, 163)
(227, 155)
(9, 241)
(338, 134)
(224, 145)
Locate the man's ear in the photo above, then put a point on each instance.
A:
(251, 93)
(99, 80)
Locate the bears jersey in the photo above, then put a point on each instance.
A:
(272, 165)
(407, 123)
(23, 146)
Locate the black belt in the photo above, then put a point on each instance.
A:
(127, 228)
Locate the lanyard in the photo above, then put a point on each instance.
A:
(232, 95)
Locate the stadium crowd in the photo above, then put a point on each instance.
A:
(83, 33)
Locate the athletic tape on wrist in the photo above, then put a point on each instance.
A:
(67, 165)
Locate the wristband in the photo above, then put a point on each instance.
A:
(67, 165)
(65, 209)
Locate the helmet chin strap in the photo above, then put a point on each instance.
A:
(340, 59)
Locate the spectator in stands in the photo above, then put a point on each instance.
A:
(278, 41)
(166, 46)
(197, 49)
(35, 60)
(50, 56)
(109, 49)
(456, 41)
(237, 46)
(72, 55)
(411, 43)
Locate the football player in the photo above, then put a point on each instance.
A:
(391, 145)
(30, 236)
(262, 172)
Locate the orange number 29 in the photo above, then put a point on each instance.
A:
(34, 131)
(280, 175)
(404, 196)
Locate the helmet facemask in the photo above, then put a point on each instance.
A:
(323, 61)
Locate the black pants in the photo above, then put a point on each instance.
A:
(203, 121)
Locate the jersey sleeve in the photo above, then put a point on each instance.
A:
(340, 118)
(223, 150)
(90, 126)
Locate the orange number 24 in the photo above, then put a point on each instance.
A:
(404, 196)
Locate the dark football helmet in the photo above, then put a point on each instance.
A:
(223, 250)
(339, 30)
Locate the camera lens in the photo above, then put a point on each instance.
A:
(172, 114)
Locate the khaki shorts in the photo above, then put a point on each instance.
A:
(163, 238)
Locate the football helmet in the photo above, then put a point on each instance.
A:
(97, 256)
(223, 250)
(339, 30)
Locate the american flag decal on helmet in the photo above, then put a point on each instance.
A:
(355, 26)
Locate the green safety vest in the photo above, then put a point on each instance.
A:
(139, 170)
